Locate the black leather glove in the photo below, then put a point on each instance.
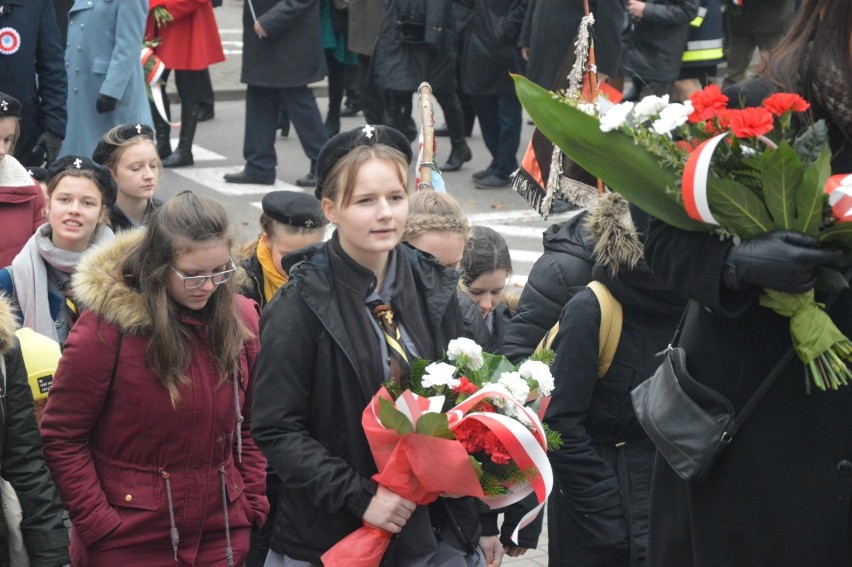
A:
(47, 147)
(781, 260)
(106, 104)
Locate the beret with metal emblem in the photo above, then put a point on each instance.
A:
(117, 136)
(294, 208)
(10, 107)
(103, 176)
(341, 144)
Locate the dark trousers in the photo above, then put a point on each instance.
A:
(500, 119)
(370, 96)
(262, 105)
(339, 76)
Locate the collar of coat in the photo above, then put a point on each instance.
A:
(611, 231)
(99, 287)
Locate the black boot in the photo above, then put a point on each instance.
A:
(458, 156)
(182, 155)
(162, 131)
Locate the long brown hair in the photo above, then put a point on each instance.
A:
(822, 29)
(182, 221)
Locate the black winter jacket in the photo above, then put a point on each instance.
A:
(658, 40)
(563, 270)
(22, 461)
(314, 380)
(488, 52)
(603, 469)
(250, 281)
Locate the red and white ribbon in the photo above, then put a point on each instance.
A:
(839, 191)
(152, 80)
(694, 186)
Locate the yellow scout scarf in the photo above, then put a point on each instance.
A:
(272, 280)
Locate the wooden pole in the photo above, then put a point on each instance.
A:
(427, 119)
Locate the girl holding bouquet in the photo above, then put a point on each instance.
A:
(779, 493)
(316, 377)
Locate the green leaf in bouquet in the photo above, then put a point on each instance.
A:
(434, 425)
(810, 198)
(829, 280)
(493, 366)
(611, 156)
(812, 142)
(782, 176)
(841, 234)
(544, 355)
(392, 418)
(737, 209)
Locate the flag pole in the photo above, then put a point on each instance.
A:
(427, 119)
(592, 74)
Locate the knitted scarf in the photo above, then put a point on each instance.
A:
(272, 280)
(29, 272)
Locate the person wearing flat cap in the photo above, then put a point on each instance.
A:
(21, 198)
(130, 154)
(290, 221)
(325, 352)
(79, 195)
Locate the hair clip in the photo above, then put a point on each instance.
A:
(368, 130)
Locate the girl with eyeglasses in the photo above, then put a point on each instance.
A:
(147, 427)
(324, 356)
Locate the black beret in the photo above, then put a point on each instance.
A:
(341, 144)
(294, 208)
(9, 106)
(38, 173)
(118, 135)
(103, 176)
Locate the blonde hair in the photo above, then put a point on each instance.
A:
(430, 210)
(114, 139)
(270, 227)
(341, 177)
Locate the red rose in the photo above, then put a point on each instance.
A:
(750, 122)
(779, 103)
(707, 103)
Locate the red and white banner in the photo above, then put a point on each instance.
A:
(152, 79)
(694, 186)
(839, 191)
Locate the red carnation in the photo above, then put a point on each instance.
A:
(465, 386)
(707, 103)
(779, 103)
(750, 122)
(496, 450)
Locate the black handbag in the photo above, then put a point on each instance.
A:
(689, 422)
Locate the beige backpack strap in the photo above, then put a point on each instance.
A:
(547, 341)
(610, 331)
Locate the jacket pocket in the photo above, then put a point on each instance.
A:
(100, 65)
(600, 496)
(130, 487)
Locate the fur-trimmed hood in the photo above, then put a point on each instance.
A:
(8, 324)
(616, 244)
(99, 287)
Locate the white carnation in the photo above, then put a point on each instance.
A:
(588, 108)
(440, 374)
(672, 116)
(649, 107)
(616, 116)
(538, 371)
(516, 385)
(470, 352)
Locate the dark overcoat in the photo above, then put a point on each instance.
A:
(489, 51)
(658, 39)
(291, 55)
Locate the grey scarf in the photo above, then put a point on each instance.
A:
(29, 271)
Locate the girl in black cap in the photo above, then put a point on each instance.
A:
(289, 221)
(129, 152)
(324, 356)
(79, 194)
(21, 198)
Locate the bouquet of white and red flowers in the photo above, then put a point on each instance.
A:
(466, 426)
(740, 173)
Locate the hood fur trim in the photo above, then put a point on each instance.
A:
(616, 244)
(98, 286)
(14, 174)
(8, 324)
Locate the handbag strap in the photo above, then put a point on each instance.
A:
(729, 433)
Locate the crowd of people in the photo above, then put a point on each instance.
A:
(206, 407)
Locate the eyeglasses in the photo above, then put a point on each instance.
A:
(195, 282)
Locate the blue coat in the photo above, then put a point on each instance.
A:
(102, 57)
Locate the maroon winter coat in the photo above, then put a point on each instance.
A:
(112, 442)
(22, 205)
